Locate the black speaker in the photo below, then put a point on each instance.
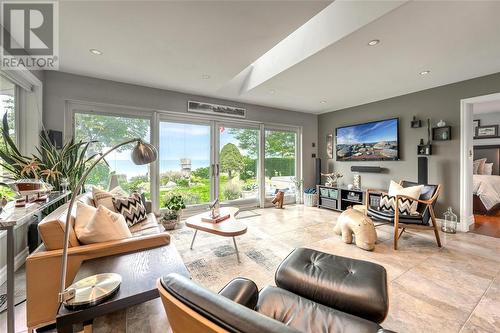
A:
(422, 170)
(318, 171)
(56, 138)
(360, 168)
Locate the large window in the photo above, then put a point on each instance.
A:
(185, 162)
(107, 131)
(280, 161)
(238, 163)
(7, 107)
(241, 163)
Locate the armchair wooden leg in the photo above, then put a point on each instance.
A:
(434, 225)
(396, 222)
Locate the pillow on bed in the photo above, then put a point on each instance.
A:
(478, 165)
(487, 169)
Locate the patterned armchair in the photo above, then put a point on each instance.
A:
(425, 219)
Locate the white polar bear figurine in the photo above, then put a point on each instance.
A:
(353, 221)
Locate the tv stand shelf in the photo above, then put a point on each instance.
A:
(339, 198)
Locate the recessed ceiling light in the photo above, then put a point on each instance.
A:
(425, 72)
(205, 76)
(323, 102)
(373, 42)
(95, 51)
(272, 91)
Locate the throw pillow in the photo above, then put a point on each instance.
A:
(131, 208)
(84, 213)
(488, 169)
(105, 198)
(411, 191)
(478, 165)
(388, 204)
(104, 226)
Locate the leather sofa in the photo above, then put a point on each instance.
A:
(43, 266)
(315, 292)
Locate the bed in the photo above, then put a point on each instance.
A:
(486, 188)
(486, 194)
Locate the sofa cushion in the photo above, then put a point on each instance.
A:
(102, 225)
(131, 208)
(51, 229)
(146, 227)
(308, 316)
(377, 214)
(349, 285)
(105, 198)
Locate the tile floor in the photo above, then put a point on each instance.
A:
(451, 289)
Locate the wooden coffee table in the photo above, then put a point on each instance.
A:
(228, 228)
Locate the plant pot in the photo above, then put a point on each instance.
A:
(169, 224)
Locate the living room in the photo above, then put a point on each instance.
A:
(244, 166)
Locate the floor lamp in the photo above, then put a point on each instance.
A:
(97, 288)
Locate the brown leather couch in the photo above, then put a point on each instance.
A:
(43, 266)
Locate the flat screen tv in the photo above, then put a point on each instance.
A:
(373, 141)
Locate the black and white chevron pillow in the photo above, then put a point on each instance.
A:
(131, 208)
(387, 203)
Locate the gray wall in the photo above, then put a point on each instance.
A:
(60, 87)
(437, 103)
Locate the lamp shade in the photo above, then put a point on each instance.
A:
(144, 153)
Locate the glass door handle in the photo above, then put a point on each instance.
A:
(218, 169)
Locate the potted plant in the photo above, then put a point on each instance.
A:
(174, 206)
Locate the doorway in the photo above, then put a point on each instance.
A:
(480, 165)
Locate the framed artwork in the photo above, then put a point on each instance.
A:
(475, 124)
(329, 145)
(488, 131)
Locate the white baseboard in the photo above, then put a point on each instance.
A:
(19, 260)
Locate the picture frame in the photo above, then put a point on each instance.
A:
(475, 124)
(487, 131)
(329, 146)
(216, 109)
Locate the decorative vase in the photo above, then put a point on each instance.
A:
(441, 123)
(450, 222)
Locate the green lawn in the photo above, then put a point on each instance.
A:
(200, 192)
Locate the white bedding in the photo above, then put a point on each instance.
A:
(487, 188)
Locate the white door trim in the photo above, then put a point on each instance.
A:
(466, 157)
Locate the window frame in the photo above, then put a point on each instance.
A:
(156, 116)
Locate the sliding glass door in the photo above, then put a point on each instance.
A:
(238, 163)
(185, 162)
(280, 163)
(242, 163)
(106, 131)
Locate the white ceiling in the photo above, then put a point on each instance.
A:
(170, 45)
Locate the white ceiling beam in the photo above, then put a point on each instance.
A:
(338, 20)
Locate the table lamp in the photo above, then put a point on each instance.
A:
(96, 289)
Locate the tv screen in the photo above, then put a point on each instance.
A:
(374, 141)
